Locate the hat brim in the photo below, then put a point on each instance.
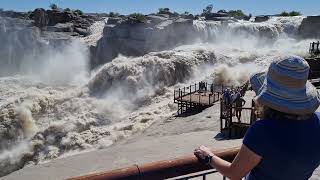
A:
(291, 101)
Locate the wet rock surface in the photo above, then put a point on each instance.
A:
(309, 27)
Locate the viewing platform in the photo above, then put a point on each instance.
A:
(197, 96)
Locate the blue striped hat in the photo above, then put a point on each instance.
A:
(284, 87)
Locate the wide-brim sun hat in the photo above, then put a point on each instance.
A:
(285, 86)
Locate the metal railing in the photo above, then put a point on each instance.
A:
(232, 117)
(174, 168)
(197, 87)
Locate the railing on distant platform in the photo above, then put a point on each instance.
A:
(181, 168)
(198, 96)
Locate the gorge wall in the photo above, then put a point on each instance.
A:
(132, 38)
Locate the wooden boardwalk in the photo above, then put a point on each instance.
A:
(202, 98)
(197, 96)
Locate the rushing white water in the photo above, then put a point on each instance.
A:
(55, 108)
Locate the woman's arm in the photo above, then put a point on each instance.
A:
(243, 163)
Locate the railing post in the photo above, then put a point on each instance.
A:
(221, 112)
(184, 90)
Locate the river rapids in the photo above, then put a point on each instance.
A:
(52, 106)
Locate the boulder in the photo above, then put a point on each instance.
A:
(40, 17)
(189, 16)
(309, 27)
(60, 27)
(114, 20)
(214, 16)
(261, 19)
(56, 17)
(81, 31)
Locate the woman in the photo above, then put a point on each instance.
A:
(285, 143)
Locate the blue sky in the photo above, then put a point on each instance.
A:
(256, 7)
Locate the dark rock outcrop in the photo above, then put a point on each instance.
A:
(211, 16)
(114, 20)
(40, 18)
(63, 21)
(309, 27)
(60, 27)
(14, 14)
(261, 19)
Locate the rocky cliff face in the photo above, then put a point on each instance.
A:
(62, 21)
(136, 39)
(132, 38)
(22, 42)
(310, 27)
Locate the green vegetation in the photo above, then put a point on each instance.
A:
(164, 11)
(54, 6)
(78, 11)
(292, 13)
(176, 14)
(238, 14)
(113, 14)
(222, 11)
(207, 10)
(140, 17)
(67, 10)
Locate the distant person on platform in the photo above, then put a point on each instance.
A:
(239, 102)
(226, 97)
(285, 143)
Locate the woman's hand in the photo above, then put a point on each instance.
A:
(202, 152)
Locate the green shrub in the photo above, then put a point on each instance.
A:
(207, 10)
(295, 13)
(54, 6)
(292, 13)
(113, 14)
(238, 14)
(164, 11)
(67, 10)
(284, 13)
(175, 14)
(78, 11)
(139, 17)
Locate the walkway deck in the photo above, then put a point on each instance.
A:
(197, 96)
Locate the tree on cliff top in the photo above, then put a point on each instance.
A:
(207, 10)
(78, 11)
(139, 17)
(54, 6)
(164, 11)
(238, 14)
(292, 13)
(114, 14)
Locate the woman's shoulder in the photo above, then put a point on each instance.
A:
(263, 123)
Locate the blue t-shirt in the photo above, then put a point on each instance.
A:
(290, 149)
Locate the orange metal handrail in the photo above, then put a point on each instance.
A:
(161, 169)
